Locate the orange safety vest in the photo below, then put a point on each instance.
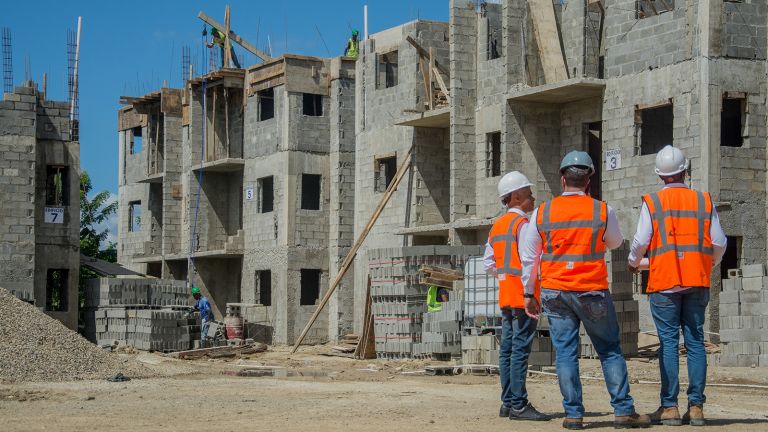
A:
(503, 239)
(572, 230)
(680, 251)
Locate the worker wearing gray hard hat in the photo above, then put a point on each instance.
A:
(680, 230)
(565, 243)
(502, 259)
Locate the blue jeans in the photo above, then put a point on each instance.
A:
(565, 311)
(517, 331)
(204, 325)
(670, 313)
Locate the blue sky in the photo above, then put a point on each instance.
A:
(129, 48)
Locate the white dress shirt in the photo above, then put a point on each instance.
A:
(645, 231)
(531, 245)
(489, 260)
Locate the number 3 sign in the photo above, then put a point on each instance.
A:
(613, 159)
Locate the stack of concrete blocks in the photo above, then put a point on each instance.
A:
(627, 309)
(744, 317)
(481, 312)
(441, 333)
(399, 301)
(148, 314)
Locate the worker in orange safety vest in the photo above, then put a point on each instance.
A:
(502, 259)
(680, 231)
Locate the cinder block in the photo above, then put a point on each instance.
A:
(753, 270)
(734, 273)
(752, 283)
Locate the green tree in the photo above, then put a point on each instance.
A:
(94, 211)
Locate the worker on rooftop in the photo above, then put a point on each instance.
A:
(206, 314)
(680, 230)
(219, 38)
(353, 46)
(502, 259)
(574, 231)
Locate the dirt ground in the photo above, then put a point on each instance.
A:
(318, 393)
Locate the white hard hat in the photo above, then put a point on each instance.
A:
(511, 182)
(670, 161)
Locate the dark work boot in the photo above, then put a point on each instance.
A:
(573, 423)
(632, 421)
(504, 411)
(668, 416)
(694, 416)
(528, 412)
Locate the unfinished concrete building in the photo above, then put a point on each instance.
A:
(40, 210)
(526, 82)
(257, 190)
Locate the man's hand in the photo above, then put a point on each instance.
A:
(633, 270)
(532, 308)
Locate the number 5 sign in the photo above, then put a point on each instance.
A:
(613, 159)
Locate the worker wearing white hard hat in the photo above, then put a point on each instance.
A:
(680, 231)
(502, 259)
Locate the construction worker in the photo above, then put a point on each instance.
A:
(566, 242)
(435, 296)
(680, 230)
(502, 259)
(206, 314)
(219, 38)
(353, 46)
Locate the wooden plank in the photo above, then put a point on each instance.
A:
(548, 40)
(425, 55)
(431, 95)
(458, 274)
(442, 283)
(228, 40)
(441, 83)
(356, 246)
(240, 41)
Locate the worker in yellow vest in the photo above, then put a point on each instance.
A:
(566, 242)
(353, 46)
(680, 230)
(219, 38)
(502, 259)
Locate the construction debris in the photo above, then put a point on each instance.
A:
(220, 352)
(36, 347)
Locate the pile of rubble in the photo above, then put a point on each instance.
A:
(36, 347)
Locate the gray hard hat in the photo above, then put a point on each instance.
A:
(579, 159)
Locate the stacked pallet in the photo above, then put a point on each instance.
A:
(744, 317)
(148, 314)
(399, 299)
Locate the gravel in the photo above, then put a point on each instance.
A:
(36, 347)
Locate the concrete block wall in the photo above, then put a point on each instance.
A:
(743, 29)
(17, 190)
(634, 45)
(35, 133)
(341, 206)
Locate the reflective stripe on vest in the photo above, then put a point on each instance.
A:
(675, 214)
(572, 228)
(503, 238)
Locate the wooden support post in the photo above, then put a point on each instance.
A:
(227, 44)
(45, 85)
(431, 94)
(425, 54)
(425, 74)
(240, 41)
(355, 247)
(441, 83)
(226, 120)
(548, 40)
